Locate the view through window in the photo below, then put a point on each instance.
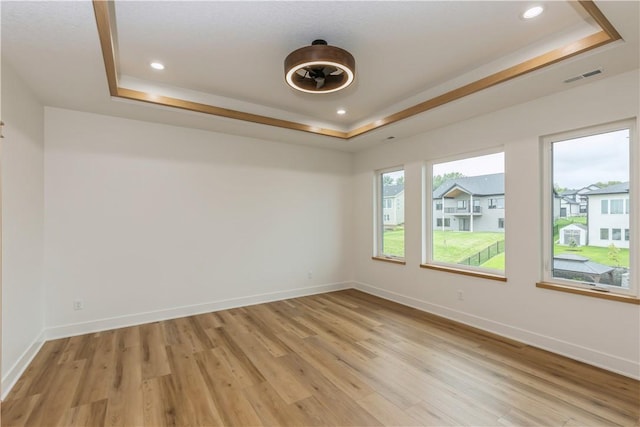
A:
(591, 220)
(391, 213)
(468, 213)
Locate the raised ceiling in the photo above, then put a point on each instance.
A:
(226, 58)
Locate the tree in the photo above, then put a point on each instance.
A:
(400, 180)
(439, 179)
(601, 184)
(387, 180)
(614, 254)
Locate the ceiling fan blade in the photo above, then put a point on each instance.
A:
(319, 82)
(328, 70)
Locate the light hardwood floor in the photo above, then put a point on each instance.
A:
(343, 358)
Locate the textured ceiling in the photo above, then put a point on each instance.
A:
(230, 54)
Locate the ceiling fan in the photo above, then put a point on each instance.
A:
(319, 68)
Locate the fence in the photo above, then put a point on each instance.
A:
(485, 254)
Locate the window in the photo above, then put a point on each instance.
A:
(447, 222)
(496, 203)
(463, 235)
(596, 162)
(626, 206)
(616, 234)
(390, 213)
(616, 206)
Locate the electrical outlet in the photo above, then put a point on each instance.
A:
(460, 295)
(78, 304)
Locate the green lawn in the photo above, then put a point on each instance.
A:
(449, 246)
(393, 242)
(455, 246)
(495, 263)
(595, 254)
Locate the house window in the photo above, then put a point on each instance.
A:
(626, 206)
(500, 222)
(473, 239)
(438, 206)
(596, 162)
(447, 222)
(389, 242)
(616, 206)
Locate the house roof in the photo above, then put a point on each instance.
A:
(579, 264)
(611, 189)
(481, 185)
(392, 190)
(575, 225)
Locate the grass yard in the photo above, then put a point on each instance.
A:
(455, 246)
(495, 263)
(449, 246)
(393, 242)
(595, 254)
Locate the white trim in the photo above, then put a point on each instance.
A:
(15, 372)
(626, 367)
(73, 329)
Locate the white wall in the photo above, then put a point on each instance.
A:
(598, 331)
(146, 221)
(22, 234)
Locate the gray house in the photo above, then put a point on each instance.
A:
(393, 205)
(474, 203)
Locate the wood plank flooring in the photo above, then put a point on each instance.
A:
(343, 358)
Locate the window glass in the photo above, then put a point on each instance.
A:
(469, 228)
(391, 206)
(587, 246)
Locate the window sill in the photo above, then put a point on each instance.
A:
(589, 293)
(391, 260)
(465, 272)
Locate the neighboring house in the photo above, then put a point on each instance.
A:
(574, 202)
(576, 233)
(393, 205)
(608, 216)
(474, 203)
(567, 207)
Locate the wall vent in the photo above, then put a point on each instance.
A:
(584, 75)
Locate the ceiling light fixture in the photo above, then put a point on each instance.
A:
(157, 66)
(341, 111)
(319, 68)
(532, 12)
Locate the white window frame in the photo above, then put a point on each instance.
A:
(547, 205)
(427, 215)
(378, 203)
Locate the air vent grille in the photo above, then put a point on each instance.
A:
(584, 75)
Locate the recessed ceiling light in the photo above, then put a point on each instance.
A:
(341, 111)
(157, 66)
(532, 12)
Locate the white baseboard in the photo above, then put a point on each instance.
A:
(70, 330)
(18, 368)
(626, 367)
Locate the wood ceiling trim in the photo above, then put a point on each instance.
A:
(105, 21)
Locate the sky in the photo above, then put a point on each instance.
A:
(473, 166)
(587, 160)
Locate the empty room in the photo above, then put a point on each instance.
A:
(320, 213)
